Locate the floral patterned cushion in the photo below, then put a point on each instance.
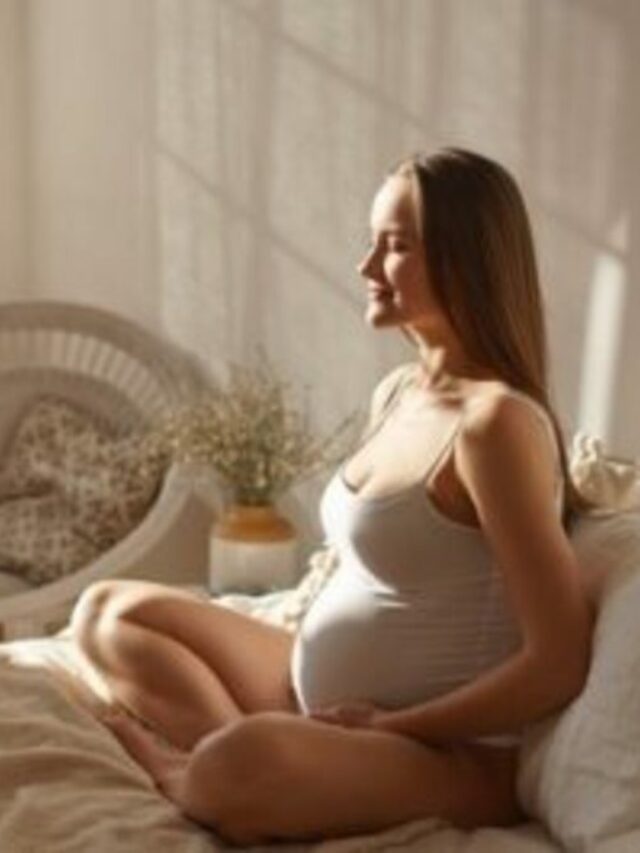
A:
(38, 541)
(70, 488)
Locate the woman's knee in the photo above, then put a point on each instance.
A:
(232, 774)
(93, 617)
(241, 753)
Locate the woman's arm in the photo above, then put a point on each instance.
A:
(506, 461)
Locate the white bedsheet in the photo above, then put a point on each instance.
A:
(67, 786)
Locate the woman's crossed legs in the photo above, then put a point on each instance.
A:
(216, 684)
(183, 665)
(280, 776)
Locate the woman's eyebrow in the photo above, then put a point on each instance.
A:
(394, 229)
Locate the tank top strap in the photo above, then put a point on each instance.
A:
(390, 401)
(403, 381)
(443, 452)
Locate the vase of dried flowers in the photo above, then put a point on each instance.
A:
(260, 444)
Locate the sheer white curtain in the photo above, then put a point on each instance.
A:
(13, 190)
(207, 167)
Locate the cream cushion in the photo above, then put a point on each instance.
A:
(579, 769)
(613, 483)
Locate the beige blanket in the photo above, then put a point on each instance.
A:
(67, 786)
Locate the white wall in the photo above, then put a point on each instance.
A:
(207, 166)
(91, 219)
(13, 196)
(625, 420)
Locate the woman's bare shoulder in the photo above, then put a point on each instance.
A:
(504, 430)
(493, 406)
(482, 400)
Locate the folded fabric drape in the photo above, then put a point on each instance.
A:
(614, 484)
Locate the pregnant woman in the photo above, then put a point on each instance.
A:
(456, 615)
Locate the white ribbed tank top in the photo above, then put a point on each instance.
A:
(416, 606)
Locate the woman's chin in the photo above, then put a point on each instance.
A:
(379, 315)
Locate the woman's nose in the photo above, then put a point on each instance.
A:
(365, 266)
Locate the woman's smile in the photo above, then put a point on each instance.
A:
(377, 291)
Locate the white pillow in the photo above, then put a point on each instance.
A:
(579, 769)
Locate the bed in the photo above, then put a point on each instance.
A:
(67, 785)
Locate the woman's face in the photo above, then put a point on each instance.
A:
(398, 288)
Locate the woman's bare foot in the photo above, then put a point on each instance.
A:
(164, 763)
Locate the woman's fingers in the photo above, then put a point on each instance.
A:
(352, 714)
(325, 716)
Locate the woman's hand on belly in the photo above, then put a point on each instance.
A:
(356, 714)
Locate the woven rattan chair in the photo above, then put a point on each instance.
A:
(129, 376)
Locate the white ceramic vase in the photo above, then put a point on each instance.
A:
(253, 549)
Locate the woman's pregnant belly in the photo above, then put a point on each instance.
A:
(361, 640)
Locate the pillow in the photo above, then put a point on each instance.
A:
(579, 769)
(44, 428)
(38, 542)
(70, 488)
(110, 483)
(611, 483)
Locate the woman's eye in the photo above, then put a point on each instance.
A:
(385, 246)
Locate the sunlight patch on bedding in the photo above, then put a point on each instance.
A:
(61, 660)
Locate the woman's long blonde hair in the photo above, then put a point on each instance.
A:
(482, 267)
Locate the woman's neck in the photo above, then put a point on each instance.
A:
(440, 369)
